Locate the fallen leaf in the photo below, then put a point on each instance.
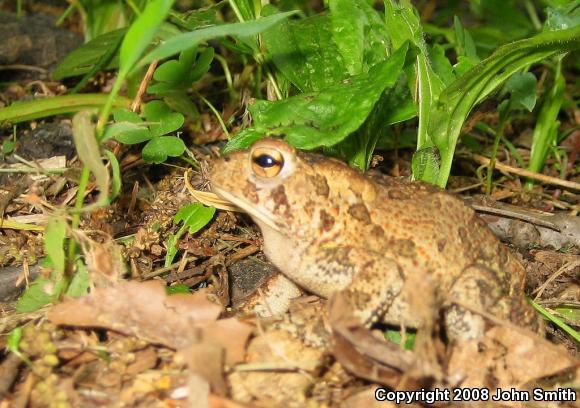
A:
(509, 356)
(144, 310)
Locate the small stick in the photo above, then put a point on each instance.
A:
(530, 174)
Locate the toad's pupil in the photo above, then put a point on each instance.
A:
(265, 160)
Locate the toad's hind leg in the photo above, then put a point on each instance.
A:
(479, 292)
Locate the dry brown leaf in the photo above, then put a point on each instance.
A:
(205, 359)
(144, 310)
(510, 357)
(279, 371)
(216, 401)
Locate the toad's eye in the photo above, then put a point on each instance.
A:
(267, 162)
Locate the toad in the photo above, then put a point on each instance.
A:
(329, 228)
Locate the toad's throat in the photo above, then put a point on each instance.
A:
(260, 217)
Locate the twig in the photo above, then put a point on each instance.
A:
(530, 174)
(143, 85)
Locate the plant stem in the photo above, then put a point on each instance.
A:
(76, 216)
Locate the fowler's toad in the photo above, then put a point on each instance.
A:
(328, 228)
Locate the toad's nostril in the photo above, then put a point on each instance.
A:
(227, 158)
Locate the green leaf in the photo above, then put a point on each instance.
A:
(158, 149)
(305, 53)
(565, 16)
(464, 45)
(184, 41)
(40, 293)
(54, 237)
(194, 216)
(360, 34)
(161, 119)
(395, 337)
(547, 124)
(116, 171)
(8, 146)
(457, 100)
(82, 60)
(522, 87)
(127, 133)
(441, 64)
(179, 288)
(348, 32)
(425, 164)
(327, 117)
(80, 283)
(202, 65)
(242, 140)
(13, 339)
(141, 33)
(404, 25)
(126, 115)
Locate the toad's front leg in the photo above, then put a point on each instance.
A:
(361, 285)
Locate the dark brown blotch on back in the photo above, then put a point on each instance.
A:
(378, 231)
(403, 247)
(359, 211)
(397, 194)
(441, 244)
(320, 185)
(326, 221)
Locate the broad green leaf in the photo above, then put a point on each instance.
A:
(348, 22)
(305, 53)
(158, 149)
(360, 33)
(54, 238)
(82, 60)
(327, 117)
(522, 87)
(184, 41)
(194, 216)
(141, 33)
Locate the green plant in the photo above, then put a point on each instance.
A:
(328, 61)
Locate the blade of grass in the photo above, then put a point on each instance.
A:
(558, 322)
(42, 108)
(547, 124)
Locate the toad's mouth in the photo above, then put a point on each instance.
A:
(259, 216)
